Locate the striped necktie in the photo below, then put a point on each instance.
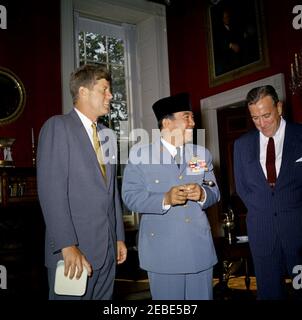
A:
(98, 150)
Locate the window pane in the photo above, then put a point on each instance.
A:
(118, 113)
(105, 120)
(116, 51)
(95, 48)
(82, 46)
(118, 83)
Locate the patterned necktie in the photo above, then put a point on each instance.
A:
(177, 157)
(270, 162)
(98, 149)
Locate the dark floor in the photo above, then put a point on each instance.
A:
(132, 282)
(30, 281)
(139, 290)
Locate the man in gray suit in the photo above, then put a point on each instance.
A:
(78, 189)
(168, 182)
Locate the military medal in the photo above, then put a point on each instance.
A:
(196, 165)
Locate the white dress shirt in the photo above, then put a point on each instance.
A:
(279, 140)
(86, 123)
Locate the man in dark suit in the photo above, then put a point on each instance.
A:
(268, 176)
(78, 189)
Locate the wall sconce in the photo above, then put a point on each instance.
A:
(296, 74)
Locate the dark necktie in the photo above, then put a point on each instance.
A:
(270, 162)
(177, 157)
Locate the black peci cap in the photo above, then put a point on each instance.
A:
(176, 103)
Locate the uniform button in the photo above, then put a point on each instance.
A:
(180, 177)
(273, 193)
(187, 220)
(152, 234)
(156, 181)
(275, 214)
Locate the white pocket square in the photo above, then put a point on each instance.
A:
(299, 160)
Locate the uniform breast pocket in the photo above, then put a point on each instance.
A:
(199, 172)
(195, 177)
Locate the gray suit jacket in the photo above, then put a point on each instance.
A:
(178, 240)
(78, 207)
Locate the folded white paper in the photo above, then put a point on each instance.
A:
(299, 160)
(66, 286)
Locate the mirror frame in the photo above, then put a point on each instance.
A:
(18, 109)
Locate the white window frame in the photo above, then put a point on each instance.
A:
(123, 32)
(151, 61)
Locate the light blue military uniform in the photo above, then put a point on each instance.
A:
(177, 241)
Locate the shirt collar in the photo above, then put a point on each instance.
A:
(85, 120)
(170, 147)
(280, 131)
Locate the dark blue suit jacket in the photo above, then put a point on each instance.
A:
(272, 212)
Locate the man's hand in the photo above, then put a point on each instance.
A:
(194, 192)
(75, 260)
(175, 196)
(121, 252)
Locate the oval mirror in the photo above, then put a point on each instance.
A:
(12, 96)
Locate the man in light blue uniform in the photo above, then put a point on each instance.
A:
(168, 182)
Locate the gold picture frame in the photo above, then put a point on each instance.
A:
(12, 96)
(236, 39)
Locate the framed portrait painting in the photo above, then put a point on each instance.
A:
(236, 39)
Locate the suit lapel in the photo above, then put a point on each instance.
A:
(289, 151)
(84, 140)
(254, 165)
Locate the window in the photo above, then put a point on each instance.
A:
(104, 43)
(100, 42)
(142, 26)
